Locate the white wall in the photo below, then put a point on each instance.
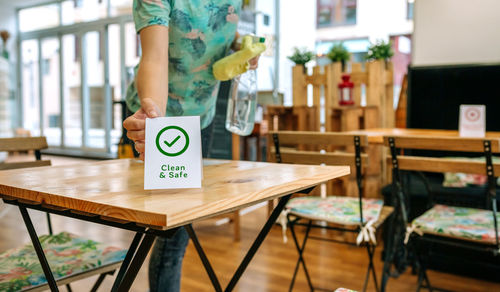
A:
(375, 19)
(297, 29)
(456, 32)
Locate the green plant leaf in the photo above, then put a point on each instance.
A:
(301, 56)
(380, 51)
(339, 53)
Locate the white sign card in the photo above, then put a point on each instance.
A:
(472, 121)
(173, 153)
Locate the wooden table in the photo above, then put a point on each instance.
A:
(112, 193)
(376, 136)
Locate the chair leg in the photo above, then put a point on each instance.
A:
(397, 230)
(422, 276)
(429, 287)
(420, 279)
(388, 257)
(300, 250)
(367, 277)
(371, 268)
(68, 288)
(422, 271)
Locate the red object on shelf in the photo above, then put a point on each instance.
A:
(345, 90)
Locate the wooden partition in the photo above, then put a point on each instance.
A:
(375, 78)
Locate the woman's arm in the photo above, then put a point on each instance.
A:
(152, 76)
(151, 82)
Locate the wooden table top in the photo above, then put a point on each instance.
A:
(114, 189)
(376, 136)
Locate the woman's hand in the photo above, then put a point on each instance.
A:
(254, 63)
(136, 124)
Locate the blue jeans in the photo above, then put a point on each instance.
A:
(165, 265)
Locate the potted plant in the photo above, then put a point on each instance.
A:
(339, 53)
(301, 57)
(380, 51)
(4, 35)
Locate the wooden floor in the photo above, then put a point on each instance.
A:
(331, 265)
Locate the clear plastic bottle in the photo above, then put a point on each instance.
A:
(240, 116)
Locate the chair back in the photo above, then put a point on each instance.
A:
(450, 144)
(34, 144)
(400, 144)
(24, 144)
(321, 144)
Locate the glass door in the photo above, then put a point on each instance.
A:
(87, 97)
(69, 80)
(50, 80)
(94, 91)
(72, 120)
(30, 86)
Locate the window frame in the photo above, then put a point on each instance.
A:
(331, 6)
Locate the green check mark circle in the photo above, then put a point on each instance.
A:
(158, 144)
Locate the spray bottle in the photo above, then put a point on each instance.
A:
(242, 101)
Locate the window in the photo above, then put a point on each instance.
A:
(83, 11)
(357, 47)
(29, 18)
(410, 4)
(120, 7)
(336, 12)
(67, 83)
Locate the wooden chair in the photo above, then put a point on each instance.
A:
(448, 225)
(356, 215)
(71, 257)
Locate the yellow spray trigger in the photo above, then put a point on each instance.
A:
(237, 63)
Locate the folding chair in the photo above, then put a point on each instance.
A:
(71, 257)
(473, 229)
(347, 214)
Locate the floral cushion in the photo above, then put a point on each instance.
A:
(465, 223)
(66, 253)
(341, 210)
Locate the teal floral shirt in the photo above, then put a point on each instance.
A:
(200, 33)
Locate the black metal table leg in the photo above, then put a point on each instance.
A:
(250, 254)
(137, 262)
(97, 284)
(258, 241)
(204, 259)
(38, 249)
(126, 262)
